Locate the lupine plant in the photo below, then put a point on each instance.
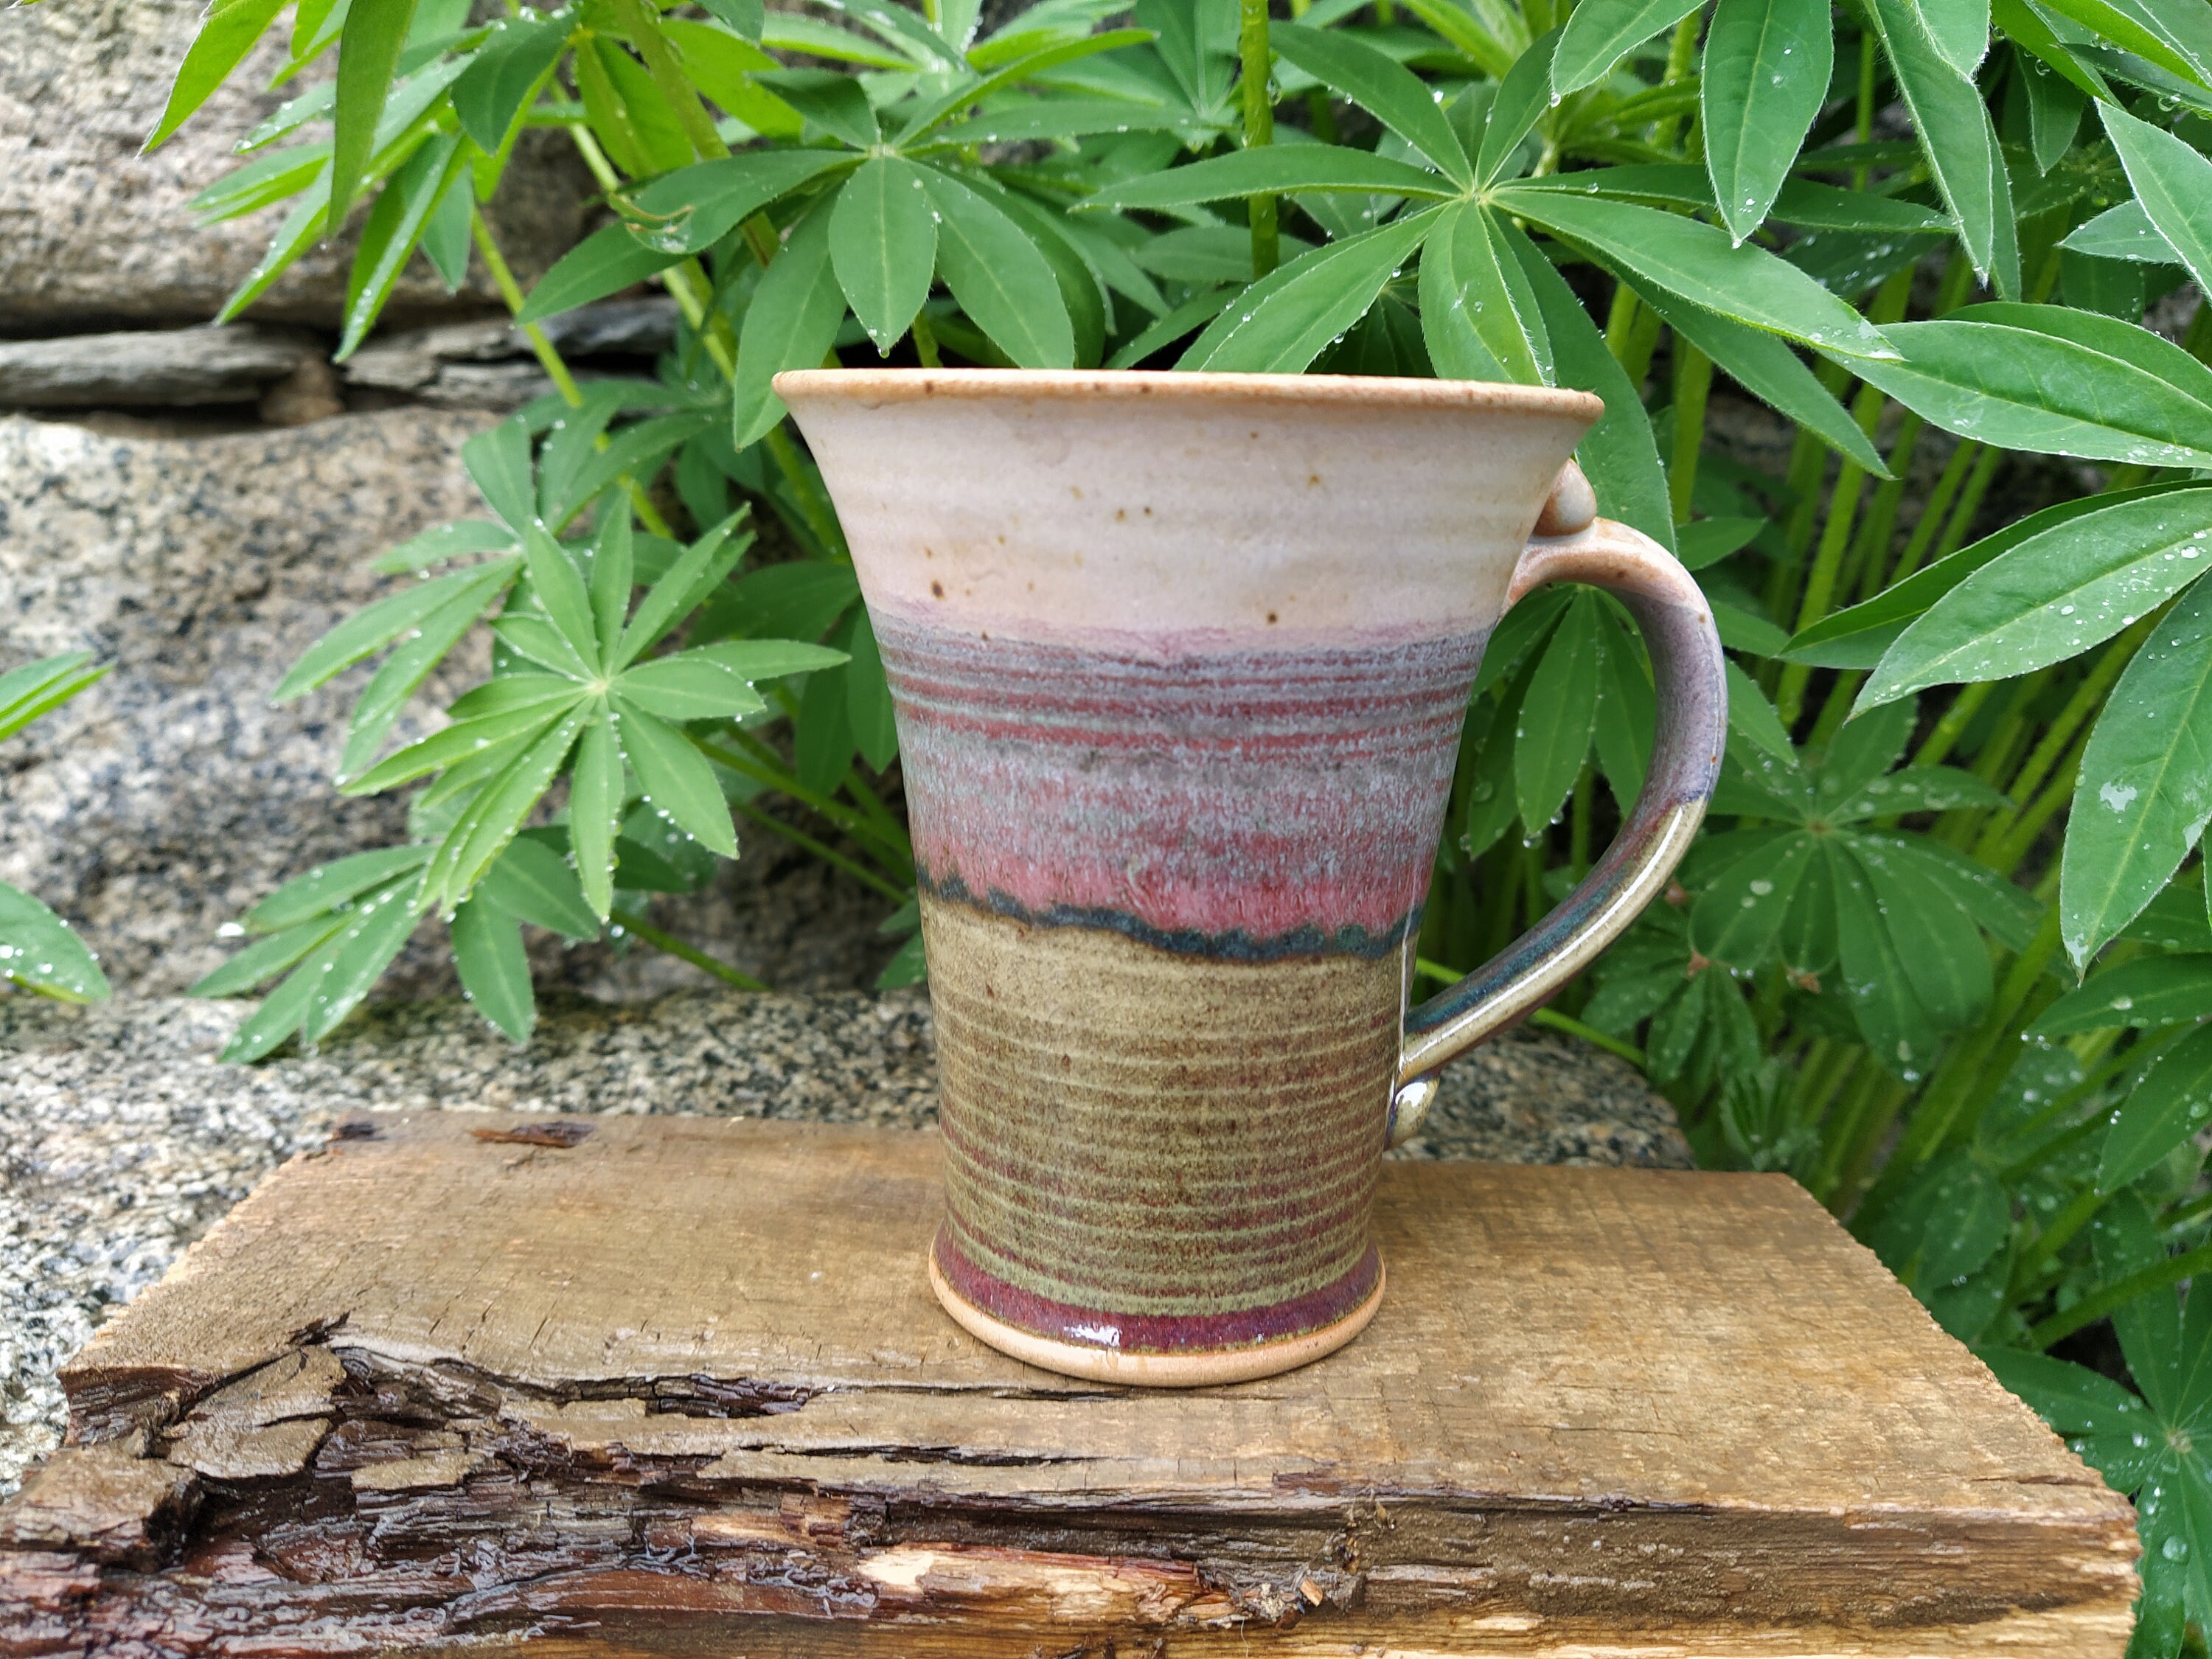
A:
(37, 951)
(1943, 951)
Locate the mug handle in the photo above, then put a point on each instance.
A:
(1572, 544)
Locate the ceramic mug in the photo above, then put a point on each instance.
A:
(1180, 664)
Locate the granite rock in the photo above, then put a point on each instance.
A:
(98, 235)
(122, 1140)
(174, 368)
(169, 798)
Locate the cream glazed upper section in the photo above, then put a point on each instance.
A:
(1119, 505)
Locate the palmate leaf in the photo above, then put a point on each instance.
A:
(1857, 638)
(1524, 94)
(368, 53)
(38, 953)
(676, 780)
(1701, 264)
(395, 226)
(1599, 33)
(504, 73)
(1277, 169)
(2172, 184)
(1379, 84)
(1765, 76)
(691, 209)
(2168, 1106)
(2145, 789)
(792, 324)
(1958, 140)
(1558, 716)
(231, 30)
(36, 687)
(1618, 453)
(883, 246)
(1479, 312)
(367, 631)
(606, 262)
(1283, 321)
(494, 968)
(2139, 995)
(1007, 287)
(1739, 917)
(2051, 595)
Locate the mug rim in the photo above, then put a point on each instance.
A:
(1199, 386)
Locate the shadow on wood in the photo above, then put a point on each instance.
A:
(678, 1386)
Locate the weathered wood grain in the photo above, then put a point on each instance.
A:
(680, 1389)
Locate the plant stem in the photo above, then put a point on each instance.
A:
(766, 770)
(677, 948)
(2091, 1307)
(511, 291)
(1956, 718)
(827, 854)
(1693, 379)
(1932, 515)
(1259, 127)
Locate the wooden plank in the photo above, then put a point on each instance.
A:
(680, 1386)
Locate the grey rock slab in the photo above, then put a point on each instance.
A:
(122, 1139)
(164, 367)
(96, 234)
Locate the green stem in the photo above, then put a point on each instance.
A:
(1932, 515)
(677, 948)
(511, 291)
(2080, 1210)
(768, 772)
(1956, 718)
(1693, 379)
(925, 341)
(1259, 127)
(827, 854)
(1682, 53)
(2091, 1307)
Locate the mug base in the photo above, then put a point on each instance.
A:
(1155, 1370)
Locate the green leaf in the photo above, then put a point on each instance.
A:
(1751, 714)
(697, 570)
(2171, 1102)
(2172, 183)
(868, 698)
(262, 182)
(833, 102)
(1524, 94)
(504, 74)
(495, 970)
(1957, 138)
(1708, 541)
(2139, 995)
(1917, 789)
(1698, 262)
(1618, 453)
(532, 882)
(359, 953)
(595, 804)
(491, 820)
(369, 57)
(38, 953)
(2036, 390)
(1767, 368)
(231, 30)
(1765, 76)
(1053, 118)
(1026, 67)
(1285, 319)
(281, 1010)
(636, 452)
(1950, 1219)
(2054, 109)
(1856, 638)
(883, 245)
(613, 573)
(266, 957)
(324, 889)
(558, 588)
(1739, 917)
(393, 617)
(1877, 984)
(491, 736)
(2124, 232)
(821, 745)
(1959, 30)
(1379, 84)
(1627, 714)
(675, 777)
(499, 462)
(792, 324)
(538, 639)
(1478, 315)
(606, 262)
(1558, 717)
(395, 225)
(691, 209)
(2052, 596)
(795, 600)
(446, 233)
(1600, 32)
(1865, 749)
(1083, 288)
(1276, 169)
(293, 237)
(2145, 786)
(1947, 965)
(38, 687)
(691, 685)
(403, 672)
(1808, 940)
(1007, 287)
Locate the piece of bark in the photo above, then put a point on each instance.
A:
(107, 1504)
(680, 1389)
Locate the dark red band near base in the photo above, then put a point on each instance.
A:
(1155, 1334)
